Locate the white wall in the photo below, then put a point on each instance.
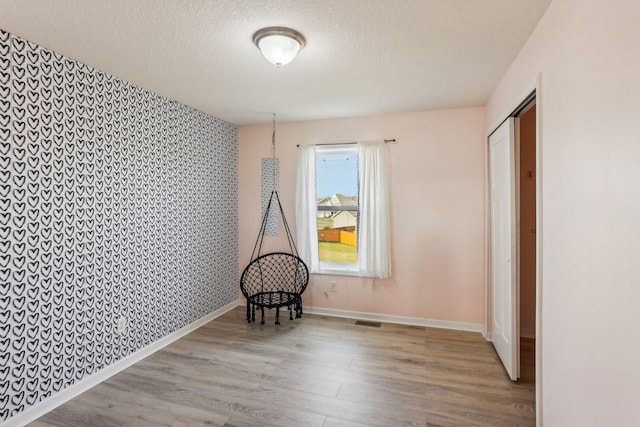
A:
(588, 55)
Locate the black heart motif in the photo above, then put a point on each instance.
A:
(58, 126)
(32, 372)
(19, 383)
(19, 99)
(34, 278)
(46, 358)
(68, 361)
(32, 398)
(18, 317)
(4, 65)
(33, 56)
(4, 146)
(57, 349)
(18, 44)
(18, 85)
(19, 139)
(33, 293)
(33, 201)
(4, 46)
(46, 55)
(46, 380)
(45, 384)
(17, 399)
(18, 303)
(18, 261)
(32, 333)
(45, 296)
(68, 315)
(4, 93)
(46, 309)
(4, 276)
(32, 70)
(18, 276)
(32, 358)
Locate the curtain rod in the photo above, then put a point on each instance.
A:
(386, 141)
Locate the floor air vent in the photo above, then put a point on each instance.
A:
(365, 323)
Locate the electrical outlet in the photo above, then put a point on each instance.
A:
(121, 325)
(333, 286)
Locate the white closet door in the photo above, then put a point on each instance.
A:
(504, 303)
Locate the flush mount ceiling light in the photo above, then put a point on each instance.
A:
(278, 44)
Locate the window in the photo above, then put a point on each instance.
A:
(337, 206)
(342, 209)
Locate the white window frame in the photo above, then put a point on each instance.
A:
(374, 253)
(340, 268)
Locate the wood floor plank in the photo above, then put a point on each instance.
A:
(336, 422)
(365, 413)
(282, 378)
(167, 413)
(238, 400)
(379, 396)
(415, 386)
(315, 371)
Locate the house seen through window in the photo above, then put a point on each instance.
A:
(337, 205)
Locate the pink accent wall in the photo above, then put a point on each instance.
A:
(588, 56)
(437, 194)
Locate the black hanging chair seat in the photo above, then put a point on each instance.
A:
(276, 279)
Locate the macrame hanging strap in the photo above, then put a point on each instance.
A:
(258, 246)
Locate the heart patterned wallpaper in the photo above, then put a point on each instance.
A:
(270, 177)
(115, 204)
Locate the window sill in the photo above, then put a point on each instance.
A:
(337, 270)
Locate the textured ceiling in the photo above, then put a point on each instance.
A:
(362, 57)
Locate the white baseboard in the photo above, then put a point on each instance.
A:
(402, 320)
(38, 410)
(524, 333)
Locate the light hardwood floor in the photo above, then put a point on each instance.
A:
(314, 371)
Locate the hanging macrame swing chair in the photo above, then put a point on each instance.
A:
(276, 279)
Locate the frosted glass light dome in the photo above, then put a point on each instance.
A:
(279, 45)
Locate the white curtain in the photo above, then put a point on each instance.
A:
(306, 228)
(374, 240)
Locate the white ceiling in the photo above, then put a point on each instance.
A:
(362, 57)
